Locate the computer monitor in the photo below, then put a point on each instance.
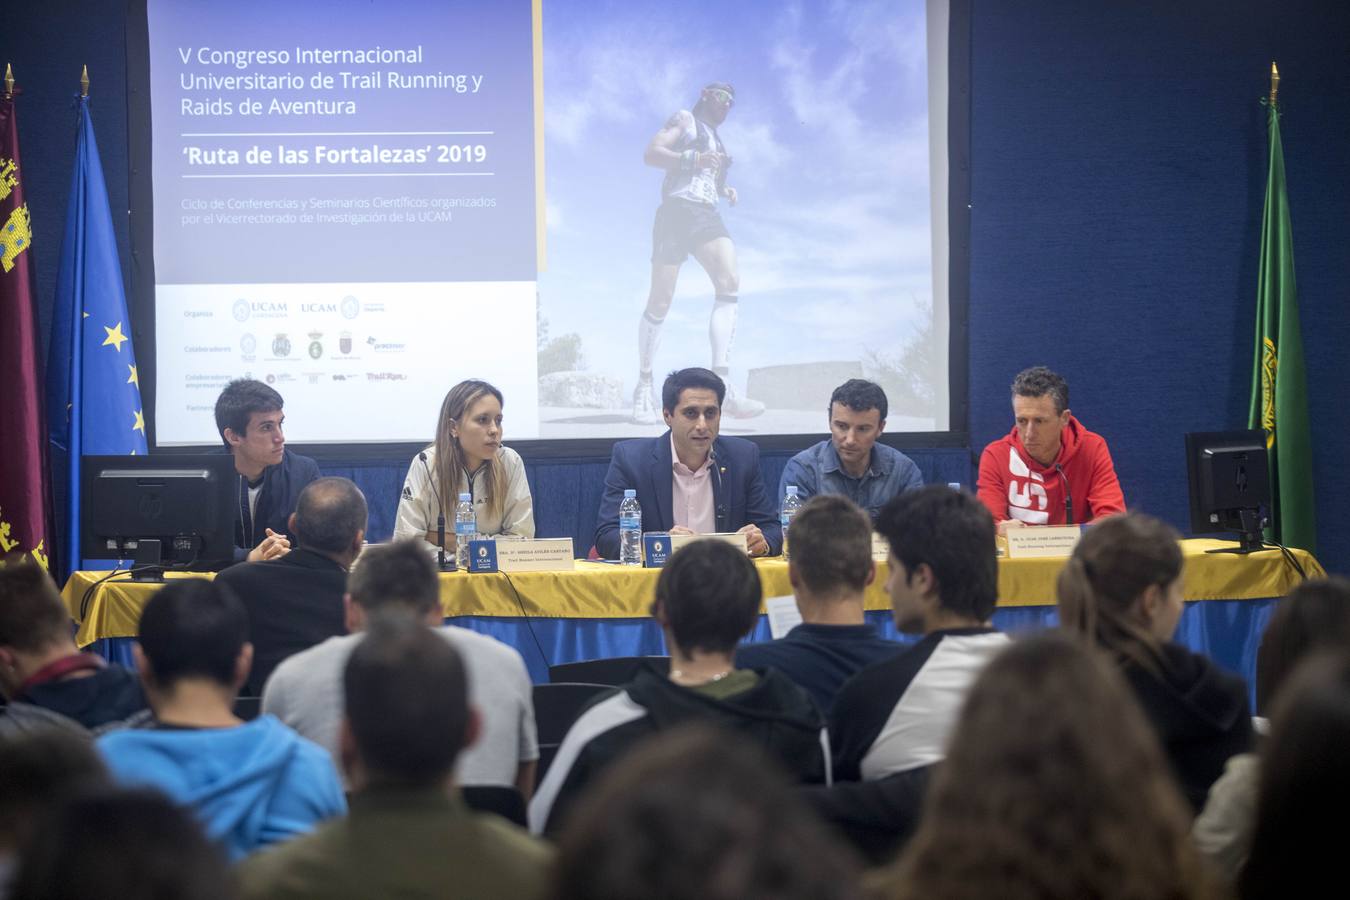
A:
(160, 510)
(1229, 477)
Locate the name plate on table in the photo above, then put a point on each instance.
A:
(521, 555)
(1039, 541)
(881, 549)
(657, 546)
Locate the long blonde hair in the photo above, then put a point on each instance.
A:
(1117, 560)
(450, 462)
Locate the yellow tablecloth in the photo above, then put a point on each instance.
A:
(595, 590)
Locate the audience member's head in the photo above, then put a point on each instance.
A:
(330, 518)
(943, 562)
(707, 597)
(36, 770)
(1305, 786)
(193, 629)
(407, 707)
(34, 624)
(1121, 588)
(129, 844)
(1054, 786)
(393, 577)
(698, 813)
(831, 549)
(1315, 616)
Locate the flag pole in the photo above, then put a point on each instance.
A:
(1274, 81)
(9, 82)
(84, 83)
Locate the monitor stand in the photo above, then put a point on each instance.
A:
(1250, 538)
(147, 562)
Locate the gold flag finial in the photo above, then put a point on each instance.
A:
(84, 82)
(1274, 81)
(9, 82)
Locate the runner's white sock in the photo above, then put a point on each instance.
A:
(649, 338)
(722, 329)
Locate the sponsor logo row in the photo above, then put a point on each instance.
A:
(315, 344)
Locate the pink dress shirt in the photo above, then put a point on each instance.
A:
(692, 494)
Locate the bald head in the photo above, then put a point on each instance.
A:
(330, 516)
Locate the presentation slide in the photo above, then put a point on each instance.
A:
(363, 204)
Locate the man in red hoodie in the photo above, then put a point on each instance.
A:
(1049, 470)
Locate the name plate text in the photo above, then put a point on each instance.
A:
(1038, 541)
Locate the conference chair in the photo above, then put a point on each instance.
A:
(247, 708)
(613, 671)
(876, 817)
(556, 707)
(494, 798)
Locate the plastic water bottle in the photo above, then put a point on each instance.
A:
(792, 504)
(630, 529)
(466, 529)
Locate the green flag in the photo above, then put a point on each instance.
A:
(1279, 383)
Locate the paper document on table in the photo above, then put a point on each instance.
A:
(783, 615)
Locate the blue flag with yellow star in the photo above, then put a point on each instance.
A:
(93, 390)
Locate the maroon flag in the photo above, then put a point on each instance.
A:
(25, 487)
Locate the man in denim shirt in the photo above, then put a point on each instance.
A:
(851, 462)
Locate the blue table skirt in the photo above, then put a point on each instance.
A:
(1228, 631)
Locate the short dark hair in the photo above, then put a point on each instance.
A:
(32, 616)
(682, 380)
(1038, 381)
(1315, 616)
(860, 395)
(710, 594)
(705, 814)
(396, 574)
(36, 768)
(832, 544)
(131, 843)
(406, 702)
(328, 514)
(953, 533)
(239, 401)
(193, 627)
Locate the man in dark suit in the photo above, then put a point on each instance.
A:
(689, 480)
(295, 601)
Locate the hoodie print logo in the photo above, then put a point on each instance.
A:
(1025, 490)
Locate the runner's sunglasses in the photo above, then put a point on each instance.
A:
(722, 96)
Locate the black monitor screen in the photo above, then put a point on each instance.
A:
(184, 502)
(1228, 473)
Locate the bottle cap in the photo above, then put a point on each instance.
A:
(792, 489)
(629, 492)
(464, 498)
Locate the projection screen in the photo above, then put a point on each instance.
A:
(362, 204)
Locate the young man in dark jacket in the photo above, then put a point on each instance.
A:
(707, 599)
(249, 418)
